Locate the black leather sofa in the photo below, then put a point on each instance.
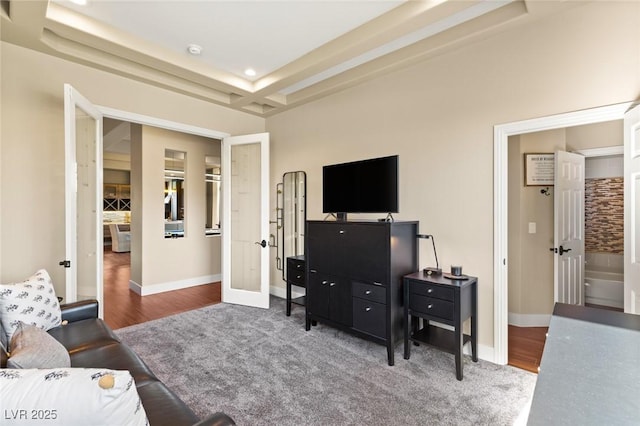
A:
(92, 344)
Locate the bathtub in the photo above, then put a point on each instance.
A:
(604, 288)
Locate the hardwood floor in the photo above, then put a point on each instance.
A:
(525, 347)
(123, 307)
(527, 343)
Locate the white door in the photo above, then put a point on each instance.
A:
(245, 220)
(568, 235)
(632, 211)
(83, 198)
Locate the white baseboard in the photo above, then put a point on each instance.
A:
(529, 320)
(281, 292)
(146, 290)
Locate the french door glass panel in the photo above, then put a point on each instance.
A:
(83, 198)
(245, 217)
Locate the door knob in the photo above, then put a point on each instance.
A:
(262, 243)
(563, 250)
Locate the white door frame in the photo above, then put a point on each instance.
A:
(155, 122)
(501, 135)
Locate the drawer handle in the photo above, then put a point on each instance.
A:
(298, 266)
(332, 284)
(341, 231)
(430, 290)
(298, 276)
(368, 292)
(367, 309)
(429, 306)
(325, 282)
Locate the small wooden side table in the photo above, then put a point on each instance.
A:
(447, 301)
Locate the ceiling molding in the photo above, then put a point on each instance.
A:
(444, 25)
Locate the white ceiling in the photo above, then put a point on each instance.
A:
(301, 50)
(237, 34)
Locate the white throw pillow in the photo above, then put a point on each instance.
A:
(33, 302)
(70, 396)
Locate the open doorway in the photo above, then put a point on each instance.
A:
(189, 198)
(531, 232)
(502, 133)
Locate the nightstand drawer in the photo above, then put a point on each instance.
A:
(374, 293)
(295, 277)
(431, 290)
(295, 271)
(369, 317)
(432, 307)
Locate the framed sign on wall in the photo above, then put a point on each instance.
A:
(538, 169)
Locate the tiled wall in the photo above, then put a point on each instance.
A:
(604, 215)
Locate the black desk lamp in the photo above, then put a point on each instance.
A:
(431, 270)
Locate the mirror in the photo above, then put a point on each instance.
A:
(174, 199)
(212, 187)
(294, 215)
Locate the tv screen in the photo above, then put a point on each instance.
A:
(367, 186)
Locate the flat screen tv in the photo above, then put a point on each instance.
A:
(366, 186)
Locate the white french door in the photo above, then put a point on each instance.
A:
(245, 220)
(83, 199)
(632, 211)
(568, 235)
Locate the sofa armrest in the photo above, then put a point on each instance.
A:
(78, 311)
(217, 419)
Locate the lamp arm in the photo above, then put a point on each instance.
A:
(433, 242)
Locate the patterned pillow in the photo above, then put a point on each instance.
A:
(32, 347)
(70, 396)
(33, 302)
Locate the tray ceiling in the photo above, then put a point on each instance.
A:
(301, 50)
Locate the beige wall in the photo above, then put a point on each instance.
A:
(439, 117)
(530, 261)
(599, 135)
(32, 147)
(196, 258)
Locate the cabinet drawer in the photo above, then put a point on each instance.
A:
(369, 317)
(431, 290)
(296, 277)
(295, 271)
(432, 307)
(374, 293)
(295, 264)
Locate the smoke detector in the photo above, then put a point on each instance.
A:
(194, 49)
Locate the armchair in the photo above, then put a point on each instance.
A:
(120, 239)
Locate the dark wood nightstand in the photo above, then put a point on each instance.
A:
(295, 276)
(447, 301)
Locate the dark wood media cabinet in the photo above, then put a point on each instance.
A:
(354, 277)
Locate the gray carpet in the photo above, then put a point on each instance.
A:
(262, 368)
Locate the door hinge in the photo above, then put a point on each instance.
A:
(65, 263)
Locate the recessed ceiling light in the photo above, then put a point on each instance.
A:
(80, 2)
(194, 49)
(250, 72)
